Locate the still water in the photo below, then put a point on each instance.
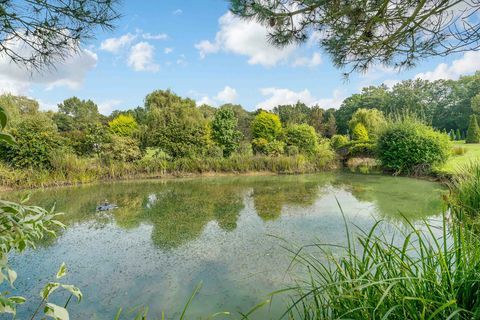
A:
(227, 233)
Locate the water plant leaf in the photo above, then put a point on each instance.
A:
(56, 312)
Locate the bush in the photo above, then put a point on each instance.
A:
(459, 151)
(259, 145)
(410, 147)
(359, 132)
(122, 149)
(275, 148)
(36, 139)
(267, 126)
(373, 120)
(245, 149)
(363, 165)
(361, 149)
(338, 141)
(291, 150)
(473, 132)
(303, 137)
(214, 151)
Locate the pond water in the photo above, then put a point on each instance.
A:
(168, 236)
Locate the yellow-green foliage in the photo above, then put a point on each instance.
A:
(373, 120)
(303, 137)
(123, 125)
(267, 126)
(360, 132)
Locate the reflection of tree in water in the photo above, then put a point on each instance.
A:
(181, 213)
(394, 197)
(269, 197)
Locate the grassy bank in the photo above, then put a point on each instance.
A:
(73, 170)
(463, 154)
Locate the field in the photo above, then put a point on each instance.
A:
(458, 161)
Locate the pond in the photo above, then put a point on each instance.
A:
(227, 233)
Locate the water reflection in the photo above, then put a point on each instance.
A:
(167, 236)
(179, 210)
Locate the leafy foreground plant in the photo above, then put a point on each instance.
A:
(422, 277)
(21, 226)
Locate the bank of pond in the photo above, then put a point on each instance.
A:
(228, 233)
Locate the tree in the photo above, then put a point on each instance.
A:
(359, 132)
(37, 33)
(316, 119)
(82, 112)
(473, 131)
(458, 135)
(244, 119)
(330, 125)
(303, 137)
(266, 125)
(359, 34)
(372, 120)
(293, 114)
(224, 130)
(123, 125)
(174, 124)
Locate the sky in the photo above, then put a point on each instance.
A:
(199, 50)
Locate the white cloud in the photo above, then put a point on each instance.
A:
(312, 62)
(182, 60)
(69, 73)
(177, 12)
(106, 107)
(227, 95)
(277, 96)
(206, 47)
(114, 45)
(168, 50)
(206, 100)
(247, 38)
(159, 36)
(141, 57)
(469, 63)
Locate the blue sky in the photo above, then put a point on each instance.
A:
(197, 49)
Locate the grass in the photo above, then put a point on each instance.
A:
(422, 277)
(456, 162)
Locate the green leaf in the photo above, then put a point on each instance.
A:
(5, 137)
(73, 290)
(48, 289)
(62, 272)
(12, 276)
(56, 312)
(3, 118)
(17, 299)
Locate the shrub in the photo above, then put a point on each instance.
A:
(363, 165)
(359, 132)
(373, 120)
(361, 149)
(123, 125)
(36, 139)
(338, 141)
(259, 145)
(245, 149)
(303, 137)
(410, 147)
(214, 151)
(459, 151)
(473, 132)
(291, 150)
(122, 149)
(267, 126)
(275, 148)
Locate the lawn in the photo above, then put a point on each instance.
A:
(456, 161)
